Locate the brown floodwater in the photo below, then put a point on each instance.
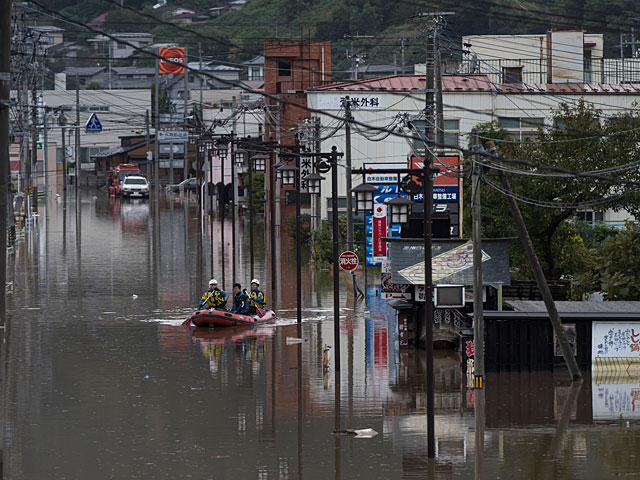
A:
(103, 382)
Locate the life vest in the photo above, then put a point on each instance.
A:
(215, 298)
(256, 299)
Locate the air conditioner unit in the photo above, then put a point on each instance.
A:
(448, 296)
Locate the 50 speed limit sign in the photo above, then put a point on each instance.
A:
(348, 261)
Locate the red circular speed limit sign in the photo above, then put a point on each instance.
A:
(348, 261)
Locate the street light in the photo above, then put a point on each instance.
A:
(238, 157)
(259, 162)
(313, 183)
(399, 209)
(287, 174)
(324, 163)
(364, 197)
(364, 203)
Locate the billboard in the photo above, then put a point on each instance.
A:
(445, 183)
(172, 60)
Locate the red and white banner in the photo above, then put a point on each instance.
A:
(379, 230)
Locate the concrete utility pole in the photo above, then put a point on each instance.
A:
(156, 153)
(5, 86)
(77, 148)
(478, 318)
(434, 20)
(565, 346)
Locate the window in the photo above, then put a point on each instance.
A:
(284, 69)
(451, 133)
(590, 216)
(521, 128)
(511, 74)
(509, 123)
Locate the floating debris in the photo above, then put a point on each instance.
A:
(358, 433)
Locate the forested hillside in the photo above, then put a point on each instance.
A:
(239, 35)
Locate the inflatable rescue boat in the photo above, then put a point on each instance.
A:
(221, 318)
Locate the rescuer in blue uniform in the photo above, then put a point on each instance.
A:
(256, 297)
(214, 297)
(240, 300)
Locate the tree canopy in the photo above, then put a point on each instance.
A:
(583, 140)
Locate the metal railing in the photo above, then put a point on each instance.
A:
(534, 70)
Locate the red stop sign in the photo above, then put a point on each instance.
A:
(348, 261)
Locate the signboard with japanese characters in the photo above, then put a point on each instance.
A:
(307, 140)
(379, 231)
(390, 290)
(358, 101)
(615, 340)
(384, 178)
(446, 183)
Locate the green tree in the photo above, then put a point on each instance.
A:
(258, 190)
(587, 142)
(615, 267)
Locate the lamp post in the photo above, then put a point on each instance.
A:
(329, 161)
(364, 203)
(290, 175)
(222, 155)
(426, 173)
(209, 147)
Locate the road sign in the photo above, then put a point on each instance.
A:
(27, 189)
(175, 147)
(93, 124)
(39, 145)
(348, 261)
(173, 136)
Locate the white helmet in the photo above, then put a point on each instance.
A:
(255, 281)
(213, 281)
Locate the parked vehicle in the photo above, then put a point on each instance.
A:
(118, 174)
(134, 186)
(187, 185)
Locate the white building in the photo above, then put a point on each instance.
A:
(117, 49)
(468, 100)
(558, 56)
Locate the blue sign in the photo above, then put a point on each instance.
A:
(93, 124)
(441, 194)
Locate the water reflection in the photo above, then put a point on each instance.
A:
(105, 385)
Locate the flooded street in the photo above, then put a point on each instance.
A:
(103, 382)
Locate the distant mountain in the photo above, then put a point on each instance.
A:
(375, 28)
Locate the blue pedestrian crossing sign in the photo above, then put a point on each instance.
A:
(93, 124)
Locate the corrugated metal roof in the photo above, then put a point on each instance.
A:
(577, 307)
(412, 82)
(476, 83)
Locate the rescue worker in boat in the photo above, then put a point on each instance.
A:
(240, 300)
(256, 297)
(214, 297)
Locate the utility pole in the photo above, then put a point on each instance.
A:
(77, 147)
(478, 317)
(432, 27)
(45, 146)
(184, 117)
(156, 101)
(33, 181)
(438, 87)
(348, 119)
(402, 49)
(356, 58)
(565, 346)
(5, 86)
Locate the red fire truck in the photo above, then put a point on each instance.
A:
(118, 173)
